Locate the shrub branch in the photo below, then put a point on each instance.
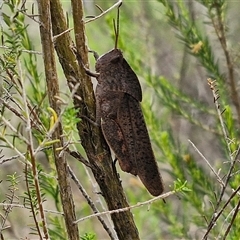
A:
(53, 90)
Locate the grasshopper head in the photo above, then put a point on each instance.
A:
(106, 61)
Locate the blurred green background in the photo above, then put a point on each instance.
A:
(177, 104)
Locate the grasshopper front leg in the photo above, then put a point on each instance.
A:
(80, 62)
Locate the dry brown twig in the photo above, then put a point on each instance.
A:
(233, 159)
(92, 19)
(105, 12)
(56, 123)
(111, 233)
(7, 208)
(236, 210)
(220, 29)
(163, 196)
(23, 206)
(23, 50)
(208, 163)
(34, 170)
(218, 214)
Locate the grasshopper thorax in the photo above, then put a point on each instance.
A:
(108, 59)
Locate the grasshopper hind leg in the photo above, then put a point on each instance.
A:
(116, 141)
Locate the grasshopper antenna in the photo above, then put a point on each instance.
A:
(116, 26)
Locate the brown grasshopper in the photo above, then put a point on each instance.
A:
(118, 111)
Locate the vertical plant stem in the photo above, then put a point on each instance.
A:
(220, 32)
(53, 90)
(91, 203)
(31, 203)
(92, 139)
(232, 221)
(34, 165)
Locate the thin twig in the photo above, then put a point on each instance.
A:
(95, 189)
(210, 166)
(59, 35)
(91, 204)
(18, 113)
(34, 169)
(218, 24)
(6, 122)
(23, 206)
(233, 219)
(55, 125)
(105, 12)
(79, 157)
(127, 208)
(46, 9)
(217, 215)
(212, 84)
(8, 208)
(231, 156)
(12, 109)
(31, 204)
(228, 176)
(9, 159)
(21, 155)
(23, 50)
(97, 6)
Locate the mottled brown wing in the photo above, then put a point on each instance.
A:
(131, 122)
(131, 83)
(116, 141)
(107, 106)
